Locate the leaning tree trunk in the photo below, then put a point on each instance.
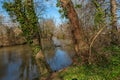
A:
(81, 46)
(35, 33)
(114, 21)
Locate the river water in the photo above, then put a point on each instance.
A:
(17, 63)
(60, 60)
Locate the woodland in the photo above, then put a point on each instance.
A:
(89, 33)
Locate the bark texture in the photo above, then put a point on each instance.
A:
(81, 47)
(113, 4)
(113, 14)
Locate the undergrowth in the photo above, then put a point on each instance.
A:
(104, 71)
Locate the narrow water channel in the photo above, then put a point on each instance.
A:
(60, 60)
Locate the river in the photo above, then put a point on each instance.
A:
(17, 63)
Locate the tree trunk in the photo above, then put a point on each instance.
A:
(114, 21)
(81, 46)
(43, 67)
(113, 14)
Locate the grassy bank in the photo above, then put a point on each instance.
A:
(109, 70)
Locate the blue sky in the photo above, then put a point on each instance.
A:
(50, 12)
(4, 13)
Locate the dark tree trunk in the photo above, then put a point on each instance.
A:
(81, 47)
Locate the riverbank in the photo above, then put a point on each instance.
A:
(11, 36)
(104, 70)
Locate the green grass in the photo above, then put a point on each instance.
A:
(91, 72)
(108, 71)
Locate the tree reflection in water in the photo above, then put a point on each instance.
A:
(16, 63)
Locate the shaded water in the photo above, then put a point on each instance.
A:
(16, 63)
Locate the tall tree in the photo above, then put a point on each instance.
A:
(32, 20)
(81, 47)
(24, 12)
(1, 19)
(114, 20)
(114, 14)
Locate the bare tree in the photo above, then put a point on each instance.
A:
(1, 19)
(114, 14)
(114, 21)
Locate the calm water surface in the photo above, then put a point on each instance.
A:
(60, 60)
(16, 63)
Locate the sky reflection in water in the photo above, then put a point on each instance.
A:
(60, 60)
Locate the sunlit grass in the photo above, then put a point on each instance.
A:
(103, 71)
